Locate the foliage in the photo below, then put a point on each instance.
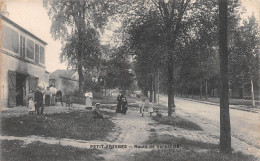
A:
(178, 122)
(20, 151)
(243, 62)
(73, 22)
(74, 125)
(118, 73)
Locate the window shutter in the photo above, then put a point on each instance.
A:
(11, 88)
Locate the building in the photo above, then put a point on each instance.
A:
(65, 80)
(22, 63)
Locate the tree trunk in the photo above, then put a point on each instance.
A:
(252, 93)
(225, 129)
(241, 94)
(206, 90)
(146, 93)
(171, 105)
(200, 89)
(80, 77)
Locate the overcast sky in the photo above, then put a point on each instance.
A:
(31, 15)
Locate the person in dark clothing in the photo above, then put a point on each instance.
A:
(59, 97)
(38, 98)
(124, 105)
(48, 97)
(119, 103)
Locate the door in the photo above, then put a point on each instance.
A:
(33, 83)
(11, 88)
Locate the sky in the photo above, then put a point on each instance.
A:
(31, 15)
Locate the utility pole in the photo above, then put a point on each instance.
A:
(158, 87)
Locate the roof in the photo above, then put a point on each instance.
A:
(21, 28)
(67, 74)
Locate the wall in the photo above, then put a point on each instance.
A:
(17, 65)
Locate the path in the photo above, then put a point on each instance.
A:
(131, 130)
(245, 125)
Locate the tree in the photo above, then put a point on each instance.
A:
(118, 73)
(243, 61)
(73, 23)
(225, 130)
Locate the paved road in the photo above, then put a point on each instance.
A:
(245, 125)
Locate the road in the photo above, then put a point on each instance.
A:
(245, 126)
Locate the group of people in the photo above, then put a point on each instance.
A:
(142, 107)
(122, 106)
(41, 97)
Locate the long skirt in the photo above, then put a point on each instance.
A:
(88, 102)
(124, 109)
(119, 108)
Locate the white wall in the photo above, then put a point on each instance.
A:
(10, 63)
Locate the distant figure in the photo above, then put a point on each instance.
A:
(89, 96)
(124, 105)
(31, 106)
(47, 97)
(38, 96)
(150, 107)
(119, 103)
(53, 95)
(59, 97)
(142, 107)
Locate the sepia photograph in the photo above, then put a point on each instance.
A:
(129, 80)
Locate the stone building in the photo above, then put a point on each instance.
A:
(22, 63)
(65, 80)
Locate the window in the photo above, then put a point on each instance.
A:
(37, 53)
(30, 49)
(42, 55)
(10, 39)
(22, 46)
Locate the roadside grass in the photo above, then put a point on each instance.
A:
(15, 150)
(178, 122)
(180, 142)
(190, 155)
(232, 101)
(74, 125)
(189, 150)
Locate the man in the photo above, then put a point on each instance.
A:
(47, 97)
(59, 96)
(53, 95)
(38, 98)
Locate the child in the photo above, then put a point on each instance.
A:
(150, 108)
(31, 106)
(142, 107)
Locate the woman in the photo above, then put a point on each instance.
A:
(119, 103)
(89, 97)
(124, 105)
(47, 97)
(30, 99)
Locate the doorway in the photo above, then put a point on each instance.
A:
(20, 89)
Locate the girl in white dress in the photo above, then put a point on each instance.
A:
(150, 107)
(142, 107)
(31, 106)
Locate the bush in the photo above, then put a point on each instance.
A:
(75, 97)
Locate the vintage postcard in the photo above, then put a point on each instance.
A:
(118, 80)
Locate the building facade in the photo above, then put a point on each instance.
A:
(65, 80)
(22, 63)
